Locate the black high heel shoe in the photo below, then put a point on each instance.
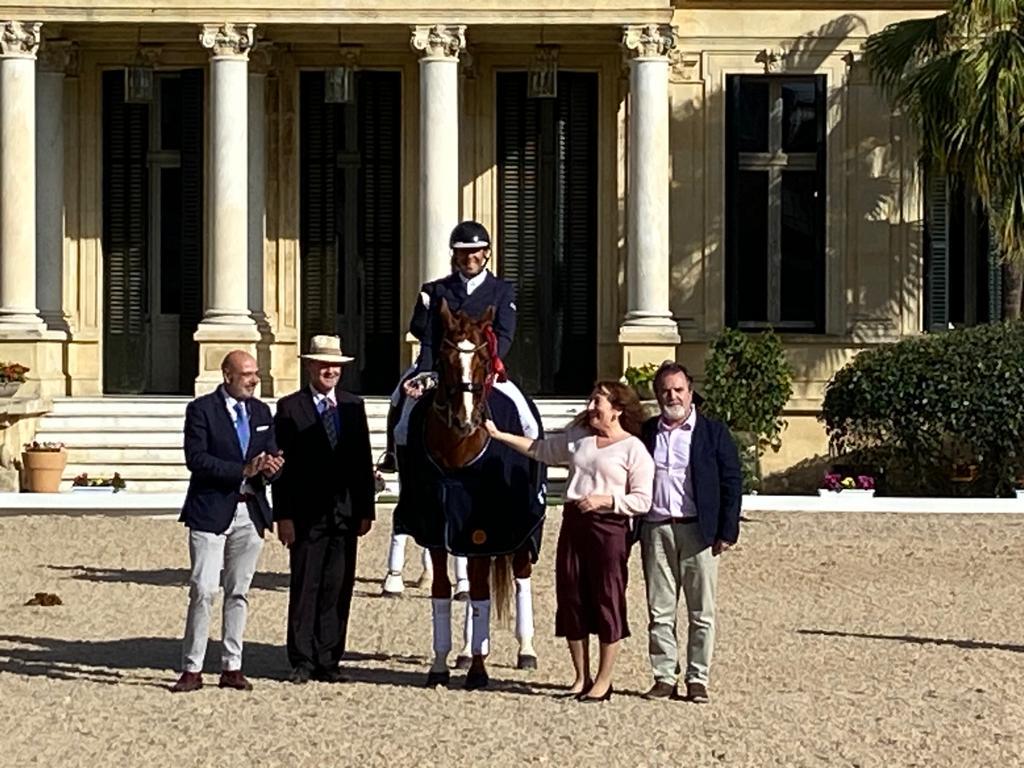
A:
(583, 699)
(573, 694)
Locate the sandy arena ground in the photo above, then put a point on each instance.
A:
(844, 640)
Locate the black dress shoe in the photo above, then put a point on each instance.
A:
(595, 699)
(234, 679)
(388, 464)
(329, 675)
(188, 682)
(660, 690)
(300, 675)
(435, 679)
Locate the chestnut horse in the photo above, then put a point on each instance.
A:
(455, 438)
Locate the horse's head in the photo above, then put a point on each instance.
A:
(465, 357)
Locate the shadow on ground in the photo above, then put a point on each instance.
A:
(969, 645)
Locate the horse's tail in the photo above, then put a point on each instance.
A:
(503, 582)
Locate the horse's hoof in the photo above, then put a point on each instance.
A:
(476, 679)
(526, 662)
(435, 679)
(462, 591)
(463, 662)
(393, 585)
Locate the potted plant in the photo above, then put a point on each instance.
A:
(84, 484)
(641, 379)
(12, 376)
(44, 465)
(836, 482)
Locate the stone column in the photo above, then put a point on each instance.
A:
(440, 46)
(19, 42)
(55, 59)
(260, 61)
(648, 333)
(227, 323)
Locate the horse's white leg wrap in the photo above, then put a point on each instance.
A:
(396, 552)
(481, 626)
(441, 613)
(524, 617)
(467, 632)
(461, 575)
(428, 564)
(531, 428)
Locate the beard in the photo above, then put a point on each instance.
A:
(674, 413)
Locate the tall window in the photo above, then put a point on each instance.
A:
(775, 202)
(963, 277)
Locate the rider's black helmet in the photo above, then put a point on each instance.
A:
(470, 235)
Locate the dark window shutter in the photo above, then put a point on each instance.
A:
(379, 116)
(547, 225)
(192, 302)
(519, 221)
(318, 137)
(937, 253)
(125, 239)
(576, 253)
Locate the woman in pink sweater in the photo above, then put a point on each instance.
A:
(611, 475)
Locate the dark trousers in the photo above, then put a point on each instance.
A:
(323, 572)
(591, 574)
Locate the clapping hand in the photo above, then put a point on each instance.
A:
(272, 463)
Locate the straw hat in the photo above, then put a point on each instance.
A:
(326, 349)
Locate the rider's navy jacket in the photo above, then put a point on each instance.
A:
(426, 322)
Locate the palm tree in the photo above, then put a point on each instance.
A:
(959, 78)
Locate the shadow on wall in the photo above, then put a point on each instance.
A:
(874, 245)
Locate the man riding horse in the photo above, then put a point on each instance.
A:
(470, 288)
(459, 493)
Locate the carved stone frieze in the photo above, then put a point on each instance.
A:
(439, 40)
(228, 39)
(684, 66)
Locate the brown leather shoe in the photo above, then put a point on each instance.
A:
(188, 682)
(697, 693)
(660, 690)
(234, 679)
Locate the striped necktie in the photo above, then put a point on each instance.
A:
(328, 415)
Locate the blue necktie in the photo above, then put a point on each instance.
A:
(242, 428)
(328, 413)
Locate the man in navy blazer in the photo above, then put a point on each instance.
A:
(232, 454)
(694, 517)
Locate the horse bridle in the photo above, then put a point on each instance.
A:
(462, 387)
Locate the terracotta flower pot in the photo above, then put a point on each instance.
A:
(43, 470)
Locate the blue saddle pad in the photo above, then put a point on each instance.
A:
(495, 506)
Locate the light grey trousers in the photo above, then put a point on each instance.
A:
(675, 559)
(234, 554)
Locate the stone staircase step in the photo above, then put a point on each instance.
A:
(141, 438)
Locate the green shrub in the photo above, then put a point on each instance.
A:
(747, 383)
(922, 406)
(641, 379)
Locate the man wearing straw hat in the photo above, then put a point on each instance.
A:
(323, 501)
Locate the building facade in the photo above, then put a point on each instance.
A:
(183, 178)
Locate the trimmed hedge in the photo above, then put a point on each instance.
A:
(923, 406)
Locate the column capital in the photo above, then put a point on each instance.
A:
(263, 57)
(58, 57)
(229, 41)
(19, 39)
(648, 41)
(439, 41)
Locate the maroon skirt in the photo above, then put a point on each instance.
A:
(591, 573)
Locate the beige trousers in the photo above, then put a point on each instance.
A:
(674, 559)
